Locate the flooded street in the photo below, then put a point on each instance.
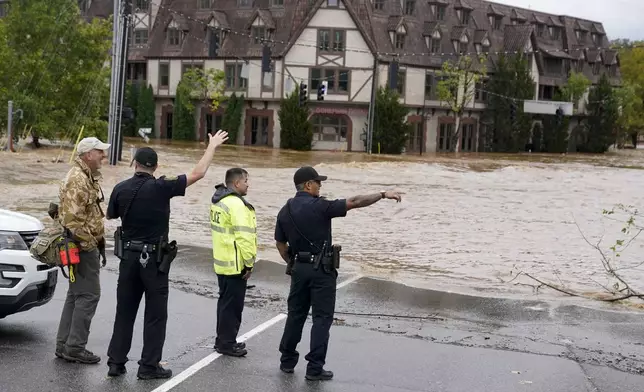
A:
(466, 222)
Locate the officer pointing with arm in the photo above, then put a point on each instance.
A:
(143, 204)
(303, 238)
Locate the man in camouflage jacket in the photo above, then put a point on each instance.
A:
(80, 212)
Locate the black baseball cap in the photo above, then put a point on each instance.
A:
(146, 157)
(307, 173)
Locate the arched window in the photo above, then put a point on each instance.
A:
(329, 128)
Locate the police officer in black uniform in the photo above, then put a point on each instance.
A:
(143, 204)
(303, 238)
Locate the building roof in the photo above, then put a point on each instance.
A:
(287, 22)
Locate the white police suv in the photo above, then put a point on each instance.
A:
(24, 281)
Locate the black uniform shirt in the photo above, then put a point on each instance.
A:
(148, 218)
(313, 218)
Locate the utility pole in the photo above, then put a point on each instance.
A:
(372, 104)
(119, 62)
(9, 145)
(10, 112)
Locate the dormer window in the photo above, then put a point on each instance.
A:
(259, 34)
(399, 41)
(555, 32)
(595, 38)
(581, 35)
(398, 35)
(434, 42)
(277, 3)
(262, 27)
(173, 36)
(439, 12)
(541, 29)
(214, 35)
(379, 4)
(486, 45)
(205, 4)
(464, 16)
(409, 7)
(244, 3)
(496, 22)
(461, 45)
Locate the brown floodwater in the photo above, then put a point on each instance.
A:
(466, 223)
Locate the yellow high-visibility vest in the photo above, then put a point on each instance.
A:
(234, 235)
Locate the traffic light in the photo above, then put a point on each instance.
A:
(513, 111)
(322, 90)
(393, 75)
(304, 94)
(266, 59)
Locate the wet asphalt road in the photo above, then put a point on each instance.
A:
(387, 337)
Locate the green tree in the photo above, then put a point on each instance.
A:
(600, 130)
(183, 117)
(631, 56)
(555, 134)
(458, 87)
(296, 130)
(631, 120)
(390, 127)
(206, 87)
(511, 78)
(52, 65)
(233, 116)
(575, 88)
(145, 108)
(131, 100)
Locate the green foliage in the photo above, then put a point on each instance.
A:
(52, 65)
(575, 88)
(556, 134)
(183, 118)
(390, 127)
(631, 95)
(196, 85)
(206, 86)
(631, 119)
(511, 78)
(232, 119)
(601, 127)
(131, 100)
(145, 108)
(296, 131)
(464, 74)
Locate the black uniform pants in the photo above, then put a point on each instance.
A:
(134, 281)
(309, 288)
(230, 305)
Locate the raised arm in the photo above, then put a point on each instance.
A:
(202, 166)
(361, 201)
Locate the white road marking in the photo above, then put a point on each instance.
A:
(181, 377)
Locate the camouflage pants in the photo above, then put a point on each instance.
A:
(80, 304)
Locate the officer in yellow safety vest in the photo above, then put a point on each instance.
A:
(234, 242)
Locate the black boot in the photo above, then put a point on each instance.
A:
(116, 370)
(159, 372)
(234, 351)
(322, 376)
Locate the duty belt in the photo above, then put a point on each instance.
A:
(305, 257)
(140, 246)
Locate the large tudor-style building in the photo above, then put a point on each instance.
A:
(343, 41)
